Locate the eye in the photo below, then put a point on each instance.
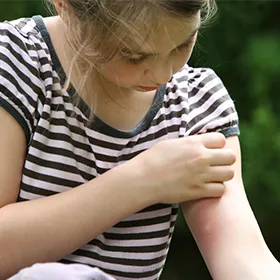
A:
(135, 60)
(185, 45)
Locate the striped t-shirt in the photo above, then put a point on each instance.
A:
(65, 151)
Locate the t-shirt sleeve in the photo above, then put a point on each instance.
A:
(210, 106)
(20, 84)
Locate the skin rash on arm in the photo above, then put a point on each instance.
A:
(227, 232)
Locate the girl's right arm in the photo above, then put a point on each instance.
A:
(48, 229)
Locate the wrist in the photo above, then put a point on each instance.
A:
(131, 181)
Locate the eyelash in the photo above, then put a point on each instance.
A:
(184, 46)
(137, 61)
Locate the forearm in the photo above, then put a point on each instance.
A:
(229, 238)
(228, 234)
(47, 229)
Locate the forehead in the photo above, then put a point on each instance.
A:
(169, 32)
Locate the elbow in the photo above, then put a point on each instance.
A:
(7, 269)
(10, 261)
(7, 261)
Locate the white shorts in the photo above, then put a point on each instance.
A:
(59, 271)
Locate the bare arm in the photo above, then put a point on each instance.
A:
(227, 232)
(27, 234)
(36, 231)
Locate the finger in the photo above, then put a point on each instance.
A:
(213, 140)
(219, 174)
(213, 189)
(221, 157)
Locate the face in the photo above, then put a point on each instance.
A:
(165, 52)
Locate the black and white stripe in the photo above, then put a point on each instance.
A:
(64, 151)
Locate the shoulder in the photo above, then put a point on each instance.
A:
(24, 62)
(191, 77)
(22, 42)
(20, 32)
(22, 56)
(210, 107)
(192, 84)
(25, 58)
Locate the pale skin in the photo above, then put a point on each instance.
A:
(124, 79)
(202, 166)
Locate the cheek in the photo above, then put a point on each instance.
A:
(182, 59)
(120, 73)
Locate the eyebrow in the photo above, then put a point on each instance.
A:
(127, 51)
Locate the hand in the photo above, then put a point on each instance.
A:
(186, 168)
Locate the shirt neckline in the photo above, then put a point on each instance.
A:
(97, 123)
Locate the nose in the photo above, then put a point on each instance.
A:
(160, 72)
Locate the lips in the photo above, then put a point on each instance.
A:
(150, 88)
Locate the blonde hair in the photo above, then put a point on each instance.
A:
(100, 29)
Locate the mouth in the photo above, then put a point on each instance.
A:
(150, 88)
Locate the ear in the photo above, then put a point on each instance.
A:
(60, 6)
(62, 9)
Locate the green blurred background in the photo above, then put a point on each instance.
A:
(242, 45)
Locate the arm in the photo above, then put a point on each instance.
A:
(27, 231)
(34, 231)
(227, 232)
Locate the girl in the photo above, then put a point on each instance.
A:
(107, 131)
